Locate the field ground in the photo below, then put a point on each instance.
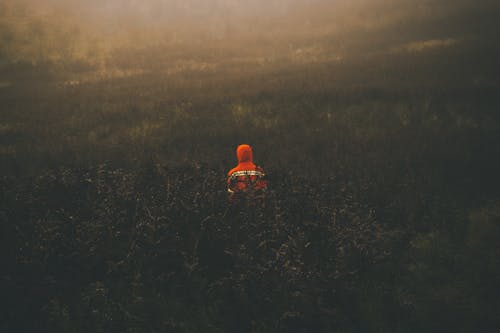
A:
(383, 210)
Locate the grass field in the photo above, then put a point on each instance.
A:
(379, 130)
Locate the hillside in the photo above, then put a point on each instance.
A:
(376, 121)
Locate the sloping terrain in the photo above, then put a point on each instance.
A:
(376, 121)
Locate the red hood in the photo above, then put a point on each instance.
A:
(244, 154)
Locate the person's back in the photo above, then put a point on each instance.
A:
(246, 179)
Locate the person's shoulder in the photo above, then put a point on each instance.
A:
(233, 170)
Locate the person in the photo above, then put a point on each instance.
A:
(246, 179)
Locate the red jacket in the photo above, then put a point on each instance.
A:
(246, 175)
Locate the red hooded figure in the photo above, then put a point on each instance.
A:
(246, 177)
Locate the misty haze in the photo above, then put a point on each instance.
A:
(376, 122)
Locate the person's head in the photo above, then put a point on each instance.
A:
(244, 153)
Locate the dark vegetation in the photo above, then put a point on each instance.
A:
(383, 213)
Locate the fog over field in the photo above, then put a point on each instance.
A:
(270, 32)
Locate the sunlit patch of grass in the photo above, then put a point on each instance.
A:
(241, 112)
(102, 74)
(144, 130)
(255, 116)
(424, 45)
(183, 66)
(314, 54)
